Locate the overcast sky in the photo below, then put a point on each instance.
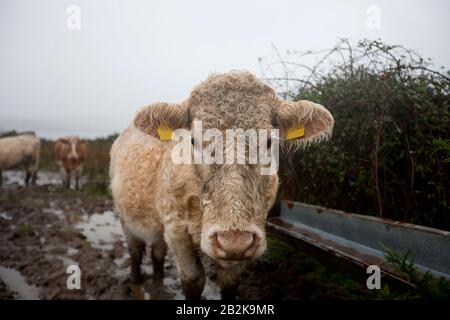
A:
(57, 80)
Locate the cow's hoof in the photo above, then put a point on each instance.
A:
(193, 289)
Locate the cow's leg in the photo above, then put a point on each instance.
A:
(62, 173)
(1, 178)
(228, 275)
(77, 178)
(158, 255)
(32, 171)
(34, 177)
(67, 181)
(77, 181)
(27, 176)
(136, 248)
(26, 166)
(188, 264)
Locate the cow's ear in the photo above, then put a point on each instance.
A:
(161, 119)
(302, 123)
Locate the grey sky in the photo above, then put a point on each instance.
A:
(130, 53)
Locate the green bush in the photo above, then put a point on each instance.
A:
(389, 154)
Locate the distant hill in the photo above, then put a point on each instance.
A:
(48, 129)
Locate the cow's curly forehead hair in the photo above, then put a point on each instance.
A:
(233, 100)
(236, 81)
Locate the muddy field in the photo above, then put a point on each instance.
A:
(46, 228)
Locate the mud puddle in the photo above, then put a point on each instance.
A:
(14, 178)
(17, 284)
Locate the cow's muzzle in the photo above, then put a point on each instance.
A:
(234, 244)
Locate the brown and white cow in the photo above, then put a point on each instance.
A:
(18, 150)
(217, 209)
(70, 153)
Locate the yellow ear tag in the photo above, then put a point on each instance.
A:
(165, 133)
(296, 131)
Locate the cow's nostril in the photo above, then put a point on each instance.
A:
(234, 244)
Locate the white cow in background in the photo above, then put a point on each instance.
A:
(23, 149)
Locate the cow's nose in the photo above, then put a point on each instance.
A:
(235, 245)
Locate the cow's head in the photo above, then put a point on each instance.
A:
(72, 150)
(235, 198)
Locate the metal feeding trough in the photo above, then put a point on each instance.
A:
(359, 240)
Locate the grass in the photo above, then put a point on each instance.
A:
(31, 203)
(71, 233)
(426, 286)
(297, 276)
(25, 229)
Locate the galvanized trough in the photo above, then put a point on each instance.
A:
(359, 240)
